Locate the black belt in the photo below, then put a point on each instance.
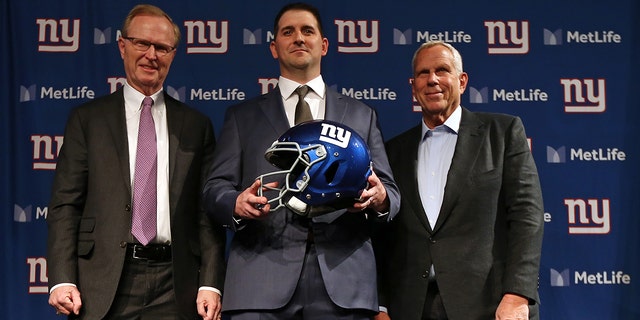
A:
(150, 252)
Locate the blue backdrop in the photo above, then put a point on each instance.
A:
(568, 68)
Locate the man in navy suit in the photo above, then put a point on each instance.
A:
(466, 244)
(98, 269)
(282, 266)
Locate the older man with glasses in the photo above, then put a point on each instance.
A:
(127, 238)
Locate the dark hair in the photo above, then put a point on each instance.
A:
(297, 6)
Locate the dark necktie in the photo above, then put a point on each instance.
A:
(143, 225)
(303, 112)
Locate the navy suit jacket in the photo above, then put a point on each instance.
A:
(266, 256)
(90, 210)
(488, 236)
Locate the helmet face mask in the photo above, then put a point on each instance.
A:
(324, 167)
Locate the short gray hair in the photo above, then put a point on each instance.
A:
(457, 58)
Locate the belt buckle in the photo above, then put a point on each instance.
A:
(135, 250)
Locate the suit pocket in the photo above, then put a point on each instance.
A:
(85, 248)
(87, 225)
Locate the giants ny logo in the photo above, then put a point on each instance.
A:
(115, 83)
(335, 135)
(44, 154)
(38, 280)
(511, 37)
(575, 92)
(267, 84)
(57, 35)
(210, 37)
(586, 216)
(349, 41)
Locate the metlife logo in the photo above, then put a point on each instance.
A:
(30, 93)
(566, 278)
(481, 95)
(405, 37)
(25, 214)
(608, 154)
(559, 37)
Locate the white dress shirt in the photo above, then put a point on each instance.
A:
(434, 159)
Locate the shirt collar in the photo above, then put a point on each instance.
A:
(287, 86)
(133, 98)
(452, 123)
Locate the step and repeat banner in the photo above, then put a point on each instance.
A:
(567, 68)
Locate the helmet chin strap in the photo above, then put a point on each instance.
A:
(297, 206)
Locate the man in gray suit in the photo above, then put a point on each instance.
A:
(281, 265)
(98, 268)
(466, 244)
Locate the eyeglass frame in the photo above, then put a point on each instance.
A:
(158, 47)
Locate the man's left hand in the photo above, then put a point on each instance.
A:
(209, 306)
(374, 197)
(513, 307)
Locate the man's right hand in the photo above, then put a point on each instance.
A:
(251, 206)
(66, 300)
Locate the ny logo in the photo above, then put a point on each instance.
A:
(591, 221)
(267, 84)
(349, 41)
(115, 83)
(516, 42)
(216, 42)
(38, 275)
(44, 157)
(574, 96)
(335, 135)
(68, 39)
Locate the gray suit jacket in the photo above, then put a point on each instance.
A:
(488, 236)
(89, 215)
(266, 256)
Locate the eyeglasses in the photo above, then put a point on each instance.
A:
(144, 45)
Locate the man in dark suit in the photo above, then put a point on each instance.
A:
(281, 265)
(98, 268)
(467, 241)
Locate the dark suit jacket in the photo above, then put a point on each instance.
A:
(266, 256)
(488, 236)
(90, 210)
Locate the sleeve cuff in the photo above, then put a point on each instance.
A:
(210, 289)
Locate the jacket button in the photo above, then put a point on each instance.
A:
(127, 207)
(123, 244)
(432, 240)
(425, 275)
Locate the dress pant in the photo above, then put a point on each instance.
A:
(145, 292)
(433, 307)
(310, 301)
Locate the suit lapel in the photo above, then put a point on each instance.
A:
(469, 142)
(175, 124)
(273, 109)
(335, 106)
(116, 121)
(409, 172)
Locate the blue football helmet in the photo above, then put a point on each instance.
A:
(324, 167)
